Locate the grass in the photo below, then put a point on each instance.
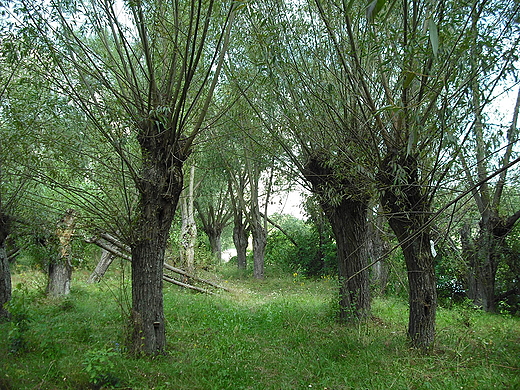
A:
(275, 334)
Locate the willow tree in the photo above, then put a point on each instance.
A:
(306, 114)
(494, 38)
(149, 69)
(404, 64)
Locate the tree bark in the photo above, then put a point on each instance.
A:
(258, 231)
(349, 224)
(160, 185)
(5, 273)
(483, 254)
(102, 267)
(240, 239)
(215, 242)
(377, 247)
(5, 282)
(189, 227)
(408, 209)
(60, 268)
(348, 220)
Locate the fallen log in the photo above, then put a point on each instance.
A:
(182, 272)
(114, 241)
(113, 246)
(185, 285)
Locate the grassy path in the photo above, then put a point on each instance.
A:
(276, 334)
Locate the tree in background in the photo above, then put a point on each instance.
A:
(303, 108)
(493, 39)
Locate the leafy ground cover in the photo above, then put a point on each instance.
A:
(275, 334)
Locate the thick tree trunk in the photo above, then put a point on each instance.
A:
(483, 255)
(408, 210)
(147, 269)
(240, 239)
(483, 265)
(60, 268)
(160, 186)
(349, 224)
(215, 243)
(259, 235)
(60, 275)
(422, 284)
(348, 220)
(5, 280)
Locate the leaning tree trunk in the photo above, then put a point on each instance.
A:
(348, 220)
(60, 268)
(102, 266)
(159, 186)
(5, 274)
(408, 209)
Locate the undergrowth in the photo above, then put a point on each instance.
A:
(275, 334)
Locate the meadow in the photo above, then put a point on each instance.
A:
(279, 333)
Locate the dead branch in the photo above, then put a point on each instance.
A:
(171, 280)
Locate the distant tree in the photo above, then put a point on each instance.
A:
(214, 209)
(60, 269)
(188, 234)
(304, 110)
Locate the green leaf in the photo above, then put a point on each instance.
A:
(410, 76)
(434, 36)
(373, 9)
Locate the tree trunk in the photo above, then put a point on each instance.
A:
(258, 231)
(160, 185)
(101, 267)
(5, 281)
(60, 268)
(408, 209)
(259, 243)
(215, 243)
(377, 247)
(60, 275)
(240, 239)
(349, 224)
(189, 227)
(348, 220)
(483, 255)
(5, 273)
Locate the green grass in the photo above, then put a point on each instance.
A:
(275, 334)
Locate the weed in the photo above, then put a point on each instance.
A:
(18, 308)
(99, 365)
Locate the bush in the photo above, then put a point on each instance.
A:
(310, 257)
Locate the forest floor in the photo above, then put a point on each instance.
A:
(280, 333)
